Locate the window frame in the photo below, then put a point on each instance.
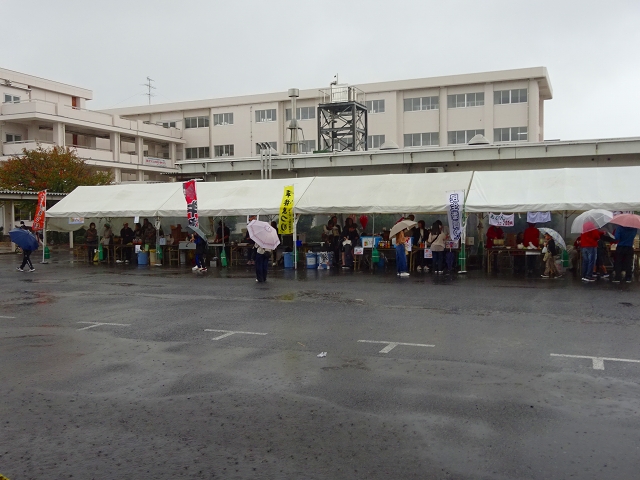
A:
(373, 139)
(15, 137)
(424, 139)
(380, 106)
(465, 100)
(219, 119)
(12, 98)
(466, 135)
(419, 104)
(230, 150)
(262, 116)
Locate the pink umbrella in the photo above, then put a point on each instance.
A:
(627, 220)
(263, 234)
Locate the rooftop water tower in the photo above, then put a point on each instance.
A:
(342, 119)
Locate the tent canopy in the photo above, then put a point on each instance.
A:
(397, 193)
(612, 188)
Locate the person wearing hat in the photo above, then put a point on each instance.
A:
(126, 236)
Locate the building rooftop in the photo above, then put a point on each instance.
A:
(27, 81)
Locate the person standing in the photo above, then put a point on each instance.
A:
(262, 263)
(401, 255)
(26, 260)
(589, 246)
(91, 241)
(531, 237)
(550, 268)
(436, 240)
(201, 248)
(349, 239)
(494, 232)
(624, 253)
(126, 237)
(419, 237)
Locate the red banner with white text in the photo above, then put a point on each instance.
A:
(41, 209)
(189, 189)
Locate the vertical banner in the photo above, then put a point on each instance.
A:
(285, 223)
(189, 189)
(41, 209)
(454, 213)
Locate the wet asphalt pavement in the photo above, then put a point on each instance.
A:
(478, 394)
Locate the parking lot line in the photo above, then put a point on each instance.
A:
(391, 345)
(98, 324)
(598, 362)
(228, 333)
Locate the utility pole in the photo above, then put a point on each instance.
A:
(149, 88)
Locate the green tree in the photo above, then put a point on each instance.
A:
(57, 169)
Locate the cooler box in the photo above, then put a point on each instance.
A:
(311, 260)
(288, 259)
(143, 258)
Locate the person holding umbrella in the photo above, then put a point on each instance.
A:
(401, 255)
(266, 240)
(624, 253)
(589, 248)
(28, 243)
(550, 268)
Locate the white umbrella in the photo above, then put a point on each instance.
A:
(199, 232)
(402, 225)
(555, 235)
(263, 234)
(591, 220)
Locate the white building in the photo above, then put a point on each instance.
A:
(38, 111)
(505, 106)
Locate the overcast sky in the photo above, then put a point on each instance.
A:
(213, 48)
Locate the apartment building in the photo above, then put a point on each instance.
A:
(504, 106)
(39, 111)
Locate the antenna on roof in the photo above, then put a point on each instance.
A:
(149, 87)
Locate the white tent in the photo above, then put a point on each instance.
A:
(244, 197)
(116, 201)
(398, 193)
(611, 188)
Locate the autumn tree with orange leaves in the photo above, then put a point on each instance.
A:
(57, 169)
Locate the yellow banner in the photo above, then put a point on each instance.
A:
(285, 225)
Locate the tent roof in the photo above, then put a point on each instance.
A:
(397, 193)
(611, 188)
(243, 197)
(115, 201)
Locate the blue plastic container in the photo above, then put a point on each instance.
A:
(143, 258)
(288, 259)
(311, 260)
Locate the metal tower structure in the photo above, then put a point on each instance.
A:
(342, 119)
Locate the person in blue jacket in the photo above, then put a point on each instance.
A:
(624, 253)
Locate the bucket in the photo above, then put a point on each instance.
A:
(288, 259)
(152, 257)
(183, 257)
(143, 258)
(311, 260)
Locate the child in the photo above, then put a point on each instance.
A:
(550, 269)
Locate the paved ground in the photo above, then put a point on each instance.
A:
(477, 396)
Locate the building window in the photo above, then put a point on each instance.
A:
(463, 100)
(518, 95)
(223, 119)
(302, 113)
(196, 122)
(422, 139)
(513, 134)
(421, 103)
(12, 137)
(11, 98)
(375, 106)
(462, 136)
(260, 147)
(197, 152)
(308, 146)
(169, 124)
(266, 115)
(375, 141)
(223, 150)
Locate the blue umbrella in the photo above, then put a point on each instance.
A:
(23, 239)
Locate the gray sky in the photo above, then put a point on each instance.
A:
(196, 49)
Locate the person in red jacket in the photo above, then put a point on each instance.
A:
(531, 236)
(589, 247)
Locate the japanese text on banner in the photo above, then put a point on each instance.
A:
(189, 189)
(41, 208)
(454, 213)
(285, 224)
(502, 220)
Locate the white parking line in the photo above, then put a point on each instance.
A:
(228, 333)
(598, 362)
(2, 316)
(391, 345)
(97, 324)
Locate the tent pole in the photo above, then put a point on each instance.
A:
(373, 240)
(295, 241)
(44, 240)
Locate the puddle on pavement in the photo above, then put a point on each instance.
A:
(357, 364)
(29, 298)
